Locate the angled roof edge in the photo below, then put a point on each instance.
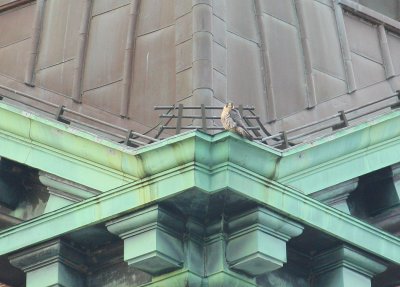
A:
(101, 164)
(137, 195)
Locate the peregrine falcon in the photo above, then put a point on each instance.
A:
(232, 121)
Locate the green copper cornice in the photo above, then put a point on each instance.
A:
(134, 178)
(98, 163)
(134, 196)
(343, 155)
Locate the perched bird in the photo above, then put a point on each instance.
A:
(232, 121)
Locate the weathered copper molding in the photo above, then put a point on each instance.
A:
(129, 57)
(34, 51)
(208, 163)
(305, 43)
(80, 59)
(270, 93)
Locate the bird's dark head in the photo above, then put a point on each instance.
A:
(230, 105)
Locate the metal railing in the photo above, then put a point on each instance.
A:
(69, 116)
(202, 118)
(325, 126)
(178, 118)
(281, 140)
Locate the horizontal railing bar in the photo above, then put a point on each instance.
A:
(191, 128)
(95, 120)
(144, 136)
(314, 131)
(319, 122)
(371, 103)
(199, 127)
(197, 108)
(72, 112)
(115, 135)
(188, 117)
(29, 105)
(313, 123)
(277, 143)
(207, 117)
(222, 128)
(138, 142)
(272, 137)
(337, 115)
(27, 96)
(183, 128)
(92, 127)
(369, 112)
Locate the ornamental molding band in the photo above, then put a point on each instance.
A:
(198, 209)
